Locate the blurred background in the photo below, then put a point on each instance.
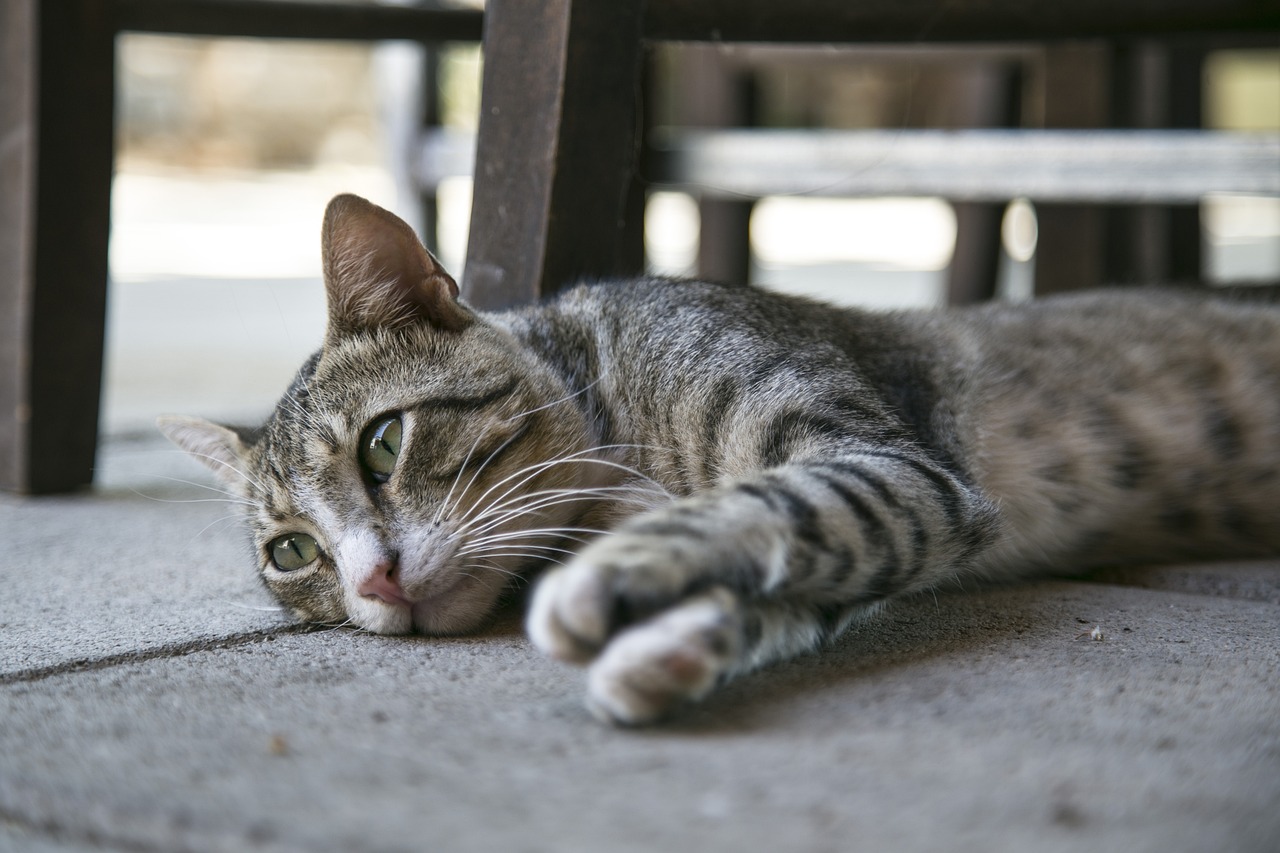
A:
(230, 148)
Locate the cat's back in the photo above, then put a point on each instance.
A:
(1109, 426)
(1124, 425)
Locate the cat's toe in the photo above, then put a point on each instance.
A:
(568, 616)
(656, 667)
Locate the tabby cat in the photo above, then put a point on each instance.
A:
(767, 469)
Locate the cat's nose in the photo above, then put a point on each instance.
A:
(383, 582)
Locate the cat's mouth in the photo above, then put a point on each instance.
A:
(446, 611)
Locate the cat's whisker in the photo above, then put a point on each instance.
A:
(480, 469)
(569, 494)
(155, 499)
(492, 568)
(262, 608)
(231, 497)
(563, 399)
(194, 483)
(569, 533)
(528, 472)
(538, 502)
(465, 461)
(215, 523)
(335, 626)
(499, 545)
(250, 480)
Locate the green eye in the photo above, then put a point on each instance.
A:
(293, 551)
(379, 447)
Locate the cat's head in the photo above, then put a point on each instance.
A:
(403, 478)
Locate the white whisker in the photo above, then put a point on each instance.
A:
(258, 607)
(445, 503)
(530, 471)
(563, 399)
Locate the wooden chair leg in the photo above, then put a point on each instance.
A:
(986, 95)
(1070, 249)
(56, 113)
(707, 90)
(1155, 86)
(556, 148)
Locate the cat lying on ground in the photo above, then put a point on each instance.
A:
(766, 469)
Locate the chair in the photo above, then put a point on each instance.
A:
(558, 196)
(56, 152)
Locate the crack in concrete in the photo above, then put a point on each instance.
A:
(176, 650)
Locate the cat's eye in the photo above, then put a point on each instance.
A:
(293, 551)
(379, 447)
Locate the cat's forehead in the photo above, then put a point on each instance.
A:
(348, 383)
(356, 378)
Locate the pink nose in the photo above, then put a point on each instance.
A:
(382, 583)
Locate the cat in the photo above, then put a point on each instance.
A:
(767, 469)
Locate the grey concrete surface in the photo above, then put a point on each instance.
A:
(144, 708)
(149, 561)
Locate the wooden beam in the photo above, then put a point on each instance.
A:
(934, 21)
(297, 20)
(973, 165)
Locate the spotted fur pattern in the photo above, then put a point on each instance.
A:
(767, 469)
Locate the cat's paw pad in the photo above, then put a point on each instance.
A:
(675, 658)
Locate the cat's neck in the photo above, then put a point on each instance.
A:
(567, 344)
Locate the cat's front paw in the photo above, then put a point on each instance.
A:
(617, 582)
(567, 617)
(677, 657)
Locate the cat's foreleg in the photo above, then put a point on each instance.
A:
(685, 652)
(813, 541)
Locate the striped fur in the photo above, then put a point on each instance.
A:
(769, 469)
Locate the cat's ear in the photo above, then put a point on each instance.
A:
(378, 275)
(218, 448)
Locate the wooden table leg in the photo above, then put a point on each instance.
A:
(1070, 248)
(554, 194)
(56, 150)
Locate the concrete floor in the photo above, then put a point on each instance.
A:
(149, 704)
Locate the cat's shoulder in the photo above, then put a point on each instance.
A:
(658, 291)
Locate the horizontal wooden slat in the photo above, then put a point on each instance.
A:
(948, 20)
(300, 20)
(973, 165)
(795, 21)
(965, 165)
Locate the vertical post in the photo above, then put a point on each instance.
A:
(1185, 84)
(984, 95)
(1155, 85)
(428, 199)
(556, 149)
(56, 128)
(710, 92)
(1070, 248)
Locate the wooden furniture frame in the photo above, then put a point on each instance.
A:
(557, 194)
(57, 58)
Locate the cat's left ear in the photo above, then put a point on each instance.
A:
(218, 448)
(377, 274)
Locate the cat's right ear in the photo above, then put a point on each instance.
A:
(218, 448)
(377, 274)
